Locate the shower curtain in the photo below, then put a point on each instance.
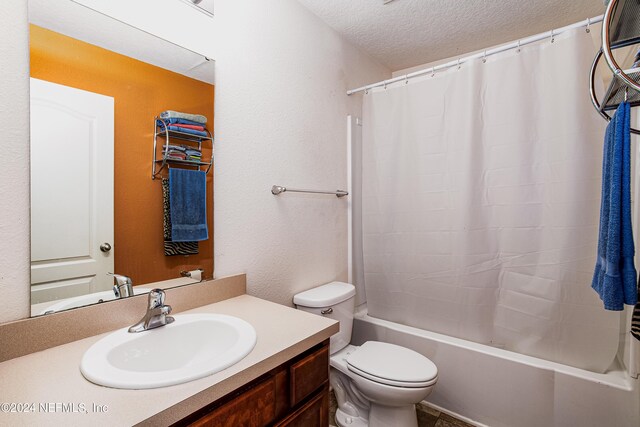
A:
(480, 204)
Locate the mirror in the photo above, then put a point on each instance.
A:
(97, 86)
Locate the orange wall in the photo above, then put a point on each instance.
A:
(141, 91)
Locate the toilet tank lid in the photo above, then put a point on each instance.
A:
(325, 295)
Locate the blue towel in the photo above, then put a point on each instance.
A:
(184, 130)
(189, 131)
(188, 202)
(178, 121)
(614, 278)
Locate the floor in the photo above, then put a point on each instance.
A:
(427, 417)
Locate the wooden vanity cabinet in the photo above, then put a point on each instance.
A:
(295, 394)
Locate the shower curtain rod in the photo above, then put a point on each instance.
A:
(514, 45)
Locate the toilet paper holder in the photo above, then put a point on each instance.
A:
(192, 273)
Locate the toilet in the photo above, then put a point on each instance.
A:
(376, 384)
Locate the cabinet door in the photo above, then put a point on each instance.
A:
(254, 408)
(308, 375)
(314, 413)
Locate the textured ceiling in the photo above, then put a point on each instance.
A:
(406, 33)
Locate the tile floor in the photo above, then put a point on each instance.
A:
(427, 417)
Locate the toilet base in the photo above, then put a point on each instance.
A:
(381, 416)
(400, 416)
(344, 420)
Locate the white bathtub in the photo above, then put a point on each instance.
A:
(487, 386)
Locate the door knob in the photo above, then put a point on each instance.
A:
(105, 247)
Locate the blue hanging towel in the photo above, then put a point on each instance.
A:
(188, 204)
(615, 274)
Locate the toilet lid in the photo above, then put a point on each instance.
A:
(393, 365)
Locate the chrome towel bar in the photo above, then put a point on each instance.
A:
(277, 189)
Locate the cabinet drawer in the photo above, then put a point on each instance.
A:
(314, 413)
(308, 374)
(254, 408)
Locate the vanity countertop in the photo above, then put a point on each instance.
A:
(47, 387)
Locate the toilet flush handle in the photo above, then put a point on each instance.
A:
(327, 311)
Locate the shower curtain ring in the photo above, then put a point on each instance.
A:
(518, 51)
(588, 30)
(553, 37)
(406, 79)
(484, 57)
(366, 91)
(433, 71)
(385, 84)
(458, 63)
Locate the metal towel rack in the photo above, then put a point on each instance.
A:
(619, 29)
(278, 189)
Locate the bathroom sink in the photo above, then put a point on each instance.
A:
(88, 299)
(192, 347)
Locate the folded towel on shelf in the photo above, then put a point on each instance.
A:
(174, 147)
(181, 128)
(181, 152)
(174, 155)
(193, 127)
(188, 200)
(170, 114)
(189, 131)
(161, 122)
(173, 248)
(615, 277)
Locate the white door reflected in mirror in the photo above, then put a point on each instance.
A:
(71, 191)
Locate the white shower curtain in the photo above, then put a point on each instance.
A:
(480, 204)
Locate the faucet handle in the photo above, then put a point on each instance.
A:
(156, 315)
(156, 298)
(123, 286)
(120, 279)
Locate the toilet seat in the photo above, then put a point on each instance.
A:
(392, 365)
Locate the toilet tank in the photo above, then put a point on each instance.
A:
(335, 300)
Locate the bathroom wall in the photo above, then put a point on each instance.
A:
(281, 118)
(141, 91)
(14, 173)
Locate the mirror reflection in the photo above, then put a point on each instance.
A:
(114, 112)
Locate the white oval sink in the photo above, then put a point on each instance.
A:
(82, 300)
(192, 347)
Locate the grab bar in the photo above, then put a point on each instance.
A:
(277, 189)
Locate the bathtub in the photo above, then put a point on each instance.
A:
(488, 386)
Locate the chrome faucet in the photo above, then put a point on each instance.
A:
(157, 313)
(122, 285)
